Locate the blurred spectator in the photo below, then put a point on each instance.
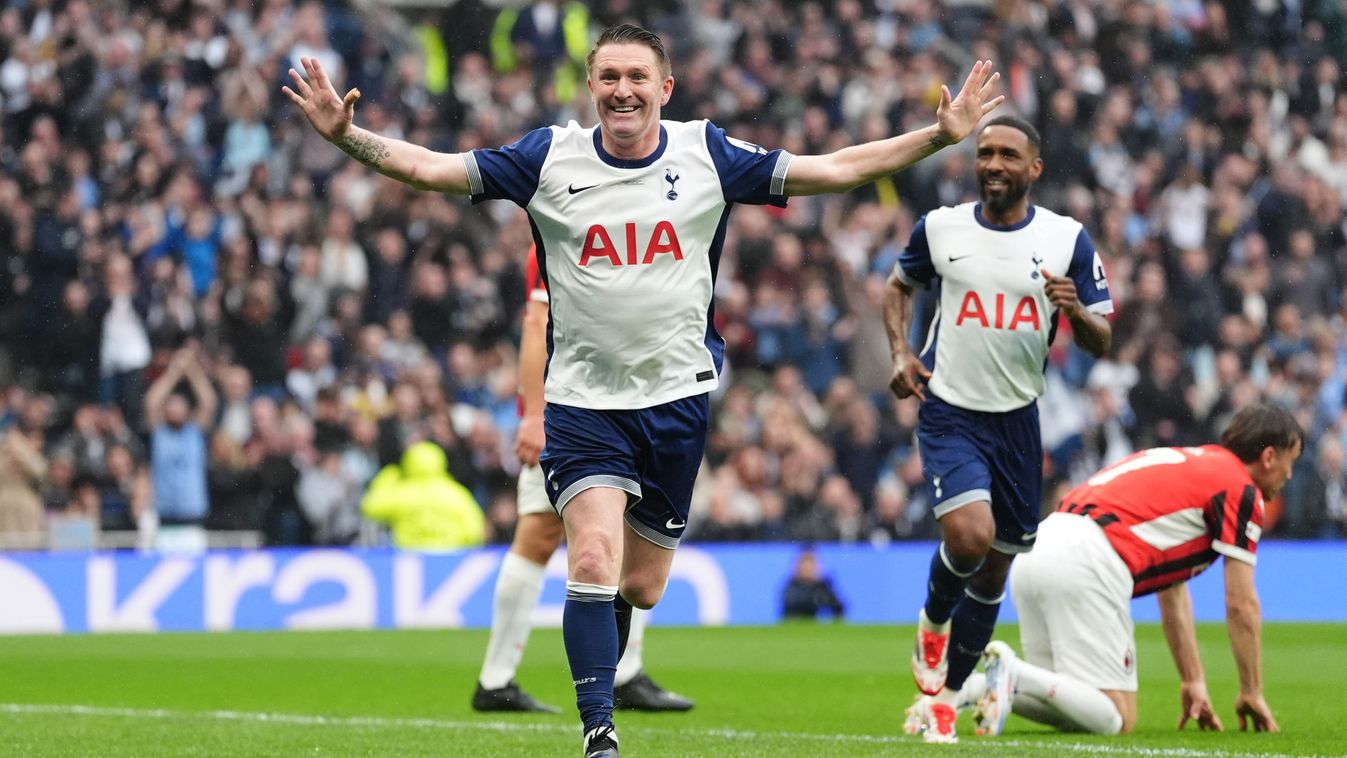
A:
(70, 345)
(232, 485)
(809, 593)
(314, 373)
(422, 504)
(178, 455)
(273, 452)
(257, 336)
(23, 470)
(329, 496)
(1322, 513)
(236, 389)
(124, 491)
(125, 347)
(343, 261)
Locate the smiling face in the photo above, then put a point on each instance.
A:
(629, 85)
(1007, 164)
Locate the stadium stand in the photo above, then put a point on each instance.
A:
(161, 202)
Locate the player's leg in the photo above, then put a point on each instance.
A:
(960, 482)
(1055, 698)
(1072, 593)
(593, 521)
(590, 469)
(632, 648)
(673, 441)
(645, 574)
(1026, 583)
(1093, 680)
(1011, 444)
(974, 619)
(538, 533)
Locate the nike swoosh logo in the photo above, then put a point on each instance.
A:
(574, 189)
(671, 525)
(953, 259)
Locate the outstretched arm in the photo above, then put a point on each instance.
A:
(1244, 621)
(1176, 616)
(331, 116)
(853, 166)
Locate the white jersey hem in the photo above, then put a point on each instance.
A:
(669, 397)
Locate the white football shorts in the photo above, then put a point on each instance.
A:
(1073, 594)
(532, 495)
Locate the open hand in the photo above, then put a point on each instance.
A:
(958, 116)
(329, 113)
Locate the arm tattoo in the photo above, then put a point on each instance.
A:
(367, 149)
(938, 141)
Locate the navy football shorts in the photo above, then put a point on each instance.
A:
(651, 453)
(967, 456)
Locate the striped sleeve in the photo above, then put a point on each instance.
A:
(1237, 520)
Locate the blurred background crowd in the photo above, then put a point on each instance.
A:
(194, 287)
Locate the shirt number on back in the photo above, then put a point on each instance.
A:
(1160, 456)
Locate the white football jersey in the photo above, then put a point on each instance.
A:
(988, 343)
(628, 250)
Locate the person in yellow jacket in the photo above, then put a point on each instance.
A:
(424, 506)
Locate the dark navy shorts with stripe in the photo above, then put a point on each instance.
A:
(651, 453)
(967, 456)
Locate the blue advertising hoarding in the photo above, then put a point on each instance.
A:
(710, 585)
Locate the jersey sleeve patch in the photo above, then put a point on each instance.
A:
(510, 172)
(748, 173)
(1087, 272)
(914, 267)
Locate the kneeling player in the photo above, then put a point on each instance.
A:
(1146, 524)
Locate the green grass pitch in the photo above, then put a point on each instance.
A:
(792, 690)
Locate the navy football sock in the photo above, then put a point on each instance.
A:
(622, 611)
(944, 590)
(974, 621)
(590, 632)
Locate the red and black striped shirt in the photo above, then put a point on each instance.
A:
(1169, 512)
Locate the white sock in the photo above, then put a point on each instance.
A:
(973, 688)
(949, 697)
(1077, 705)
(632, 660)
(1037, 709)
(517, 590)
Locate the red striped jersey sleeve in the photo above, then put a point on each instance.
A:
(1236, 521)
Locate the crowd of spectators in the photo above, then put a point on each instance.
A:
(179, 252)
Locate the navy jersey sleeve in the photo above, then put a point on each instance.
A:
(914, 267)
(510, 172)
(1087, 271)
(748, 174)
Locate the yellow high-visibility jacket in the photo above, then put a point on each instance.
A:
(424, 506)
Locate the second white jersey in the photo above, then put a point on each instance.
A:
(629, 250)
(988, 342)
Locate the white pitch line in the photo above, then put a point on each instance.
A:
(382, 722)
